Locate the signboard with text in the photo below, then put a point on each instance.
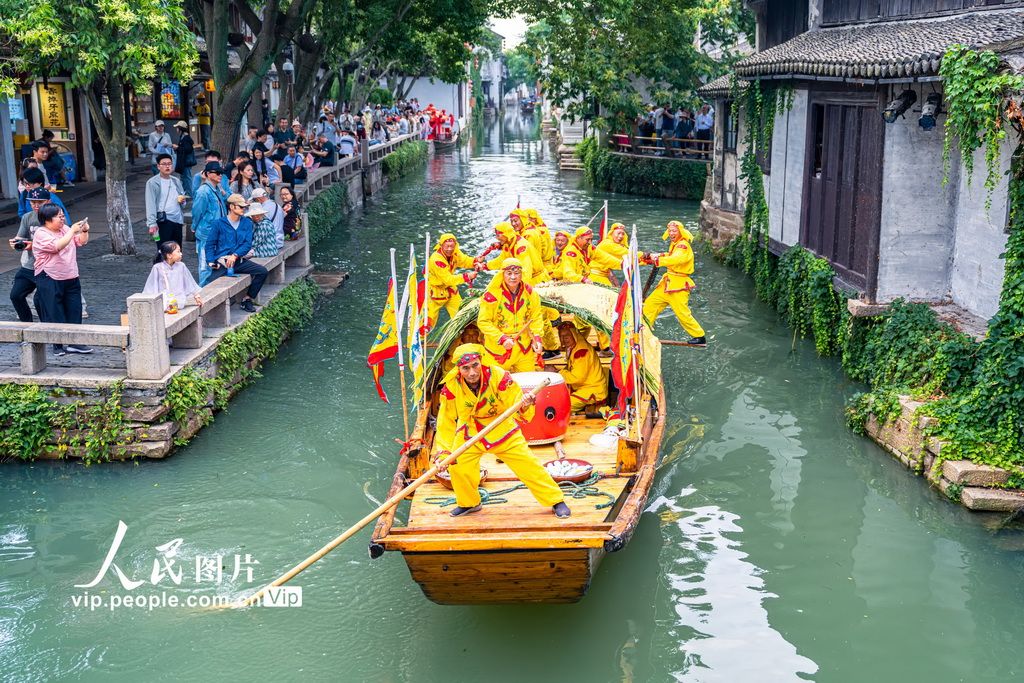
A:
(53, 112)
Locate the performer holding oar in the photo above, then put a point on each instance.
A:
(675, 286)
(442, 462)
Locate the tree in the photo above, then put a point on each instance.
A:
(104, 47)
(619, 55)
(273, 23)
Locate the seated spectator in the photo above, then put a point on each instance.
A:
(25, 279)
(325, 151)
(55, 246)
(300, 139)
(290, 206)
(264, 241)
(229, 248)
(293, 166)
(274, 213)
(347, 144)
(245, 180)
(267, 170)
(172, 278)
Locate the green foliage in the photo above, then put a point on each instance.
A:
(595, 53)
(405, 158)
(190, 391)
(380, 96)
(654, 176)
(975, 90)
(478, 88)
(26, 416)
(325, 211)
(92, 41)
(260, 336)
(97, 432)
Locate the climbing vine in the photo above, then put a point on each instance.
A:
(652, 177)
(404, 158)
(975, 87)
(26, 420)
(478, 89)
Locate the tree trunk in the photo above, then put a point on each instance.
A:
(224, 134)
(112, 137)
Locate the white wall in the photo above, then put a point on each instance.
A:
(976, 278)
(441, 95)
(785, 186)
(918, 213)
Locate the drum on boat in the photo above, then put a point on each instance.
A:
(551, 420)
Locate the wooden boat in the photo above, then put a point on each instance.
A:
(526, 107)
(517, 551)
(446, 143)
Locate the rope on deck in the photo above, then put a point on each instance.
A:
(573, 490)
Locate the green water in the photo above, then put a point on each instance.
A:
(778, 546)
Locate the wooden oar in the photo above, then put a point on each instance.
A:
(673, 342)
(390, 502)
(650, 280)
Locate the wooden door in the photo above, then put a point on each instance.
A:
(842, 189)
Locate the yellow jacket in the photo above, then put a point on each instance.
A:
(575, 262)
(679, 262)
(442, 278)
(586, 377)
(608, 251)
(516, 246)
(505, 315)
(463, 413)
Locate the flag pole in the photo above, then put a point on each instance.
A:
(425, 330)
(398, 333)
(638, 326)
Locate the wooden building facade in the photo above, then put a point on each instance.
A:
(842, 182)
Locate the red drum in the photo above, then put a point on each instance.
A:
(551, 420)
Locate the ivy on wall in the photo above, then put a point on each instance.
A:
(325, 211)
(652, 177)
(405, 158)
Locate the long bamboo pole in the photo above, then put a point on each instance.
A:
(390, 502)
(399, 315)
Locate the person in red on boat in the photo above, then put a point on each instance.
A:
(473, 394)
(511, 320)
(675, 285)
(444, 278)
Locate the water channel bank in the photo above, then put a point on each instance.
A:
(778, 545)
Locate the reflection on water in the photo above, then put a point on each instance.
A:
(723, 631)
(786, 546)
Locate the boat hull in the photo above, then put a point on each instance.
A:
(505, 577)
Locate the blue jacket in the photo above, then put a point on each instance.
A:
(207, 207)
(24, 207)
(197, 180)
(225, 240)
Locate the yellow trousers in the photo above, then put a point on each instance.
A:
(434, 307)
(516, 454)
(600, 279)
(578, 402)
(680, 303)
(550, 337)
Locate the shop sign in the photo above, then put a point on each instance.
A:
(53, 112)
(170, 100)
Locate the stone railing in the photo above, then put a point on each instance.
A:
(322, 178)
(681, 149)
(145, 338)
(373, 154)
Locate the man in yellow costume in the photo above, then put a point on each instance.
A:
(561, 241)
(475, 392)
(611, 250)
(586, 377)
(576, 256)
(536, 233)
(675, 286)
(513, 245)
(511, 320)
(443, 278)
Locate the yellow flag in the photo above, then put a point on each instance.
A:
(385, 346)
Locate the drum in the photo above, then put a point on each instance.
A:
(551, 420)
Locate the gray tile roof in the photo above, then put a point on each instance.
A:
(719, 87)
(895, 49)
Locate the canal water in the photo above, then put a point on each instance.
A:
(777, 546)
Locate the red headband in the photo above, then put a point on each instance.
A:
(467, 358)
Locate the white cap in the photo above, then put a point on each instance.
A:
(158, 122)
(256, 209)
(258, 192)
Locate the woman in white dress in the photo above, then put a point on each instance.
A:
(172, 278)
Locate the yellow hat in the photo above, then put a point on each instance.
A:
(684, 234)
(506, 230)
(566, 233)
(465, 353)
(583, 230)
(616, 226)
(445, 236)
(511, 262)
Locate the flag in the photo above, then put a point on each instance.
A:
(385, 346)
(622, 336)
(414, 330)
(604, 223)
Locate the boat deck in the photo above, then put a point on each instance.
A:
(521, 520)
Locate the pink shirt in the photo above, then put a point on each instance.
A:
(59, 265)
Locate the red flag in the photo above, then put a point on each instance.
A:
(622, 334)
(604, 223)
